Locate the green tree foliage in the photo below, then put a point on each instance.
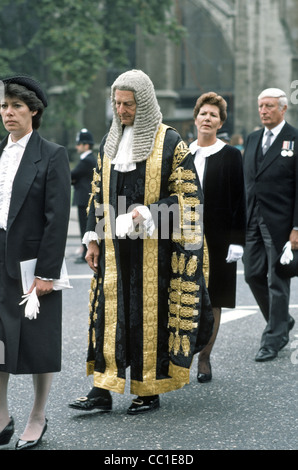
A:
(66, 42)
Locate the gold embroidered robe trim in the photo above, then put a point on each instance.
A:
(109, 379)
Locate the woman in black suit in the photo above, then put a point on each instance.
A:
(34, 213)
(219, 167)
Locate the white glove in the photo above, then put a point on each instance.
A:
(32, 307)
(125, 222)
(235, 252)
(287, 255)
(148, 222)
(124, 225)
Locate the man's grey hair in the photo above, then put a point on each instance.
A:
(275, 93)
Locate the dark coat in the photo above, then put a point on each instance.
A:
(224, 220)
(81, 178)
(37, 228)
(274, 185)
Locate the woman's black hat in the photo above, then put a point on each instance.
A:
(31, 84)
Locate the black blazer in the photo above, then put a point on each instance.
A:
(81, 178)
(274, 185)
(39, 208)
(224, 198)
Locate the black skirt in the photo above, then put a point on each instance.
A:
(27, 346)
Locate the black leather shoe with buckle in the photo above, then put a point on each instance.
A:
(89, 404)
(143, 405)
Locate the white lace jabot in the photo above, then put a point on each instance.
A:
(123, 160)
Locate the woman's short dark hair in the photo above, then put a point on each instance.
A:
(216, 100)
(28, 97)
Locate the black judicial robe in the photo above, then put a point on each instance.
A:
(149, 305)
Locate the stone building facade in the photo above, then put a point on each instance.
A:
(233, 47)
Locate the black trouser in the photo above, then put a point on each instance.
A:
(271, 292)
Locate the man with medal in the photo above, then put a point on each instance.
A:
(271, 178)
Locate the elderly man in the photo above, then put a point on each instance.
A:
(271, 174)
(149, 306)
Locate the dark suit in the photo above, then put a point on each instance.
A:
(272, 212)
(81, 178)
(36, 228)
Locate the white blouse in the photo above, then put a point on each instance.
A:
(201, 153)
(9, 163)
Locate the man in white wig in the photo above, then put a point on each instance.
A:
(149, 306)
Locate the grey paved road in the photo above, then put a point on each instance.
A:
(247, 406)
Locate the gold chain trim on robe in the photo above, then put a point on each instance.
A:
(93, 292)
(94, 185)
(109, 379)
(180, 153)
(184, 295)
(206, 262)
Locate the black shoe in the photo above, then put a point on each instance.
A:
(203, 377)
(143, 405)
(265, 354)
(89, 404)
(23, 445)
(291, 323)
(285, 339)
(6, 433)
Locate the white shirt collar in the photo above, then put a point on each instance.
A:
(206, 151)
(84, 154)
(21, 142)
(276, 130)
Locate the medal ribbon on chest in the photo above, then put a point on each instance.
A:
(287, 148)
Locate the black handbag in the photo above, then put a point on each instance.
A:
(287, 270)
